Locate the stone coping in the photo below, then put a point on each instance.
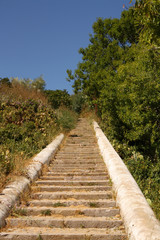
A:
(12, 191)
(139, 219)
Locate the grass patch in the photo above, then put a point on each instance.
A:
(80, 213)
(93, 205)
(17, 212)
(92, 184)
(39, 237)
(59, 204)
(46, 212)
(82, 226)
(66, 118)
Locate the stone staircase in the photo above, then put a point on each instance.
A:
(72, 200)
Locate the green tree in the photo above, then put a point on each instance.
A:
(147, 17)
(119, 75)
(5, 81)
(38, 83)
(77, 102)
(108, 48)
(139, 100)
(58, 97)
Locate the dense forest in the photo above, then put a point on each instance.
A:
(119, 76)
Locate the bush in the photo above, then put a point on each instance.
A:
(58, 98)
(145, 172)
(78, 101)
(27, 124)
(66, 118)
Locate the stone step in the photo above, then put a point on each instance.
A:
(61, 154)
(101, 203)
(66, 211)
(71, 149)
(82, 137)
(69, 161)
(51, 176)
(74, 141)
(81, 134)
(95, 174)
(79, 165)
(79, 144)
(73, 183)
(65, 222)
(64, 233)
(80, 148)
(77, 170)
(73, 195)
(78, 157)
(83, 145)
(71, 188)
(80, 140)
(77, 176)
(77, 152)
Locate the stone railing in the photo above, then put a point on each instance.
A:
(139, 219)
(11, 192)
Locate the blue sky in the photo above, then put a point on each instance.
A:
(44, 36)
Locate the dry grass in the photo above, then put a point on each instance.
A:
(20, 92)
(45, 169)
(19, 170)
(90, 115)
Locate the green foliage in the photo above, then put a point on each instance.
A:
(93, 205)
(58, 98)
(148, 19)
(5, 81)
(119, 75)
(37, 84)
(46, 212)
(59, 204)
(139, 100)
(18, 212)
(66, 119)
(39, 237)
(78, 101)
(27, 124)
(24, 128)
(145, 172)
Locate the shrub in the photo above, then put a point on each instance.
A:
(58, 98)
(78, 101)
(27, 124)
(66, 118)
(145, 172)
